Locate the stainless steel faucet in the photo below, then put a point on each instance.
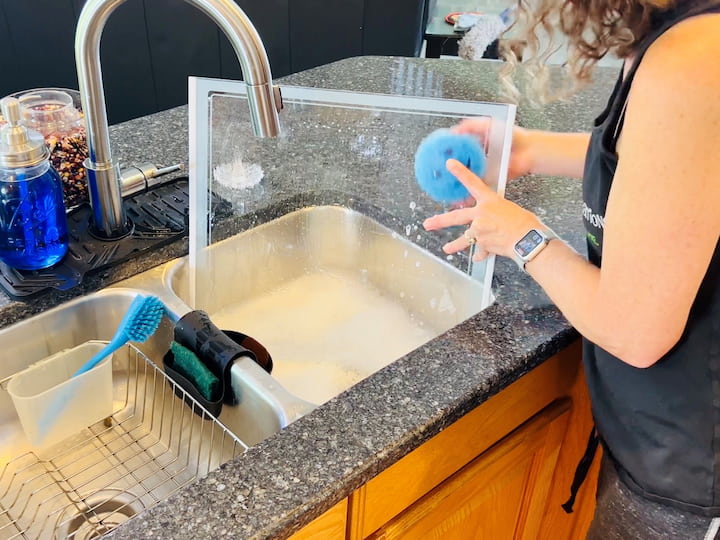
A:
(103, 172)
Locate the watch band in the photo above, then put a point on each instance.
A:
(531, 244)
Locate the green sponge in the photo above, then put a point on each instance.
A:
(187, 364)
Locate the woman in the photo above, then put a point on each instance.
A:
(648, 301)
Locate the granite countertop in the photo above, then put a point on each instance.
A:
(284, 482)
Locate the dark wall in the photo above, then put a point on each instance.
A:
(320, 34)
(272, 20)
(127, 66)
(150, 47)
(393, 25)
(40, 40)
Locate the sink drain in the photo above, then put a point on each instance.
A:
(98, 514)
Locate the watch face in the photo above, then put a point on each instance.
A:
(528, 242)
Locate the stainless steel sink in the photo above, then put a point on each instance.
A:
(334, 296)
(152, 445)
(96, 317)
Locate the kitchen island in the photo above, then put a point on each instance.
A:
(509, 373)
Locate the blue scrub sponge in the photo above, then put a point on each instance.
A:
(430, 171)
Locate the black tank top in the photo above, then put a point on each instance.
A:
(661, 425)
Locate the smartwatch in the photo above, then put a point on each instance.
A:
(531, 244)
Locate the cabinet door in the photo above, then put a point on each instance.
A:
(402, 484)
(329, 526)
(499, 495)
(558, 525)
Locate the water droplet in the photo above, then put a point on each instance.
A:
(413, 205)
(446, 303)
(408, 230)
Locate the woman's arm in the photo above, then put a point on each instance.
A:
(663, 215)
(558, 154)
(538, 152)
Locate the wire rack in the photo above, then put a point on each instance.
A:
(157, 441)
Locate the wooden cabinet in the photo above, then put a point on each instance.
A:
(329, 526)
(415, 475)
(500, 494)
(557, 525)
(501, 471)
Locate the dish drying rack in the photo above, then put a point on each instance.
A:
(157, 440)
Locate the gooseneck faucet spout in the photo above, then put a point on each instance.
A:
(103, 171)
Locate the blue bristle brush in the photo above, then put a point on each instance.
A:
(431, 172)
(139, 323)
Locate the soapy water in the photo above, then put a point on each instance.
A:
(238, 174)
(326, 332)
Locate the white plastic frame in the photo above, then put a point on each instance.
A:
(200, 90)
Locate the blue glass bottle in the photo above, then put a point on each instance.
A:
(33, 225)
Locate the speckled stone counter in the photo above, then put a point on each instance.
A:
(284, 482)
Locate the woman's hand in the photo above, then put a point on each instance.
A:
(521, 154)
(496, 224)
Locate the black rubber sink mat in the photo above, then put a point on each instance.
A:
(159, 217)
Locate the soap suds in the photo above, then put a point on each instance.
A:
(238, 174)
(326, 332)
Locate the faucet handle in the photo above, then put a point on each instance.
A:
(143, 177)
(277, 94)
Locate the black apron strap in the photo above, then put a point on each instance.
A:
(679, 13)
(582, 469)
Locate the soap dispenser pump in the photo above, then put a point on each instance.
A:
(33, 224)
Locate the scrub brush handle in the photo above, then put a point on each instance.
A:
(102, 354)
(119, 339)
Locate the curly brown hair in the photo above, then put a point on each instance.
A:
(594, 28)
